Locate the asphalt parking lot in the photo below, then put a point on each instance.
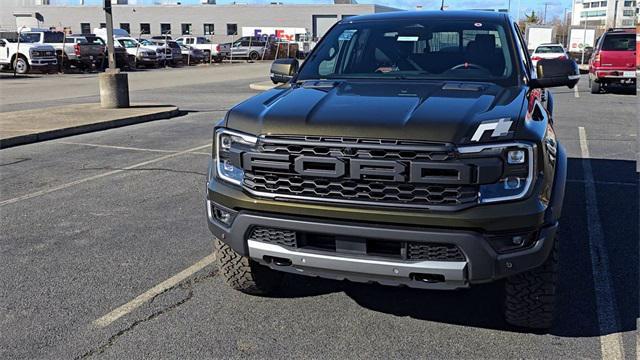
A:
(91, 222)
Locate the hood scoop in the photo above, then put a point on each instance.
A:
(320, 84)
(463, 87)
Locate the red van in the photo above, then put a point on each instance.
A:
(614, 60)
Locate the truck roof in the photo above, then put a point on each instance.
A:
(472, 15)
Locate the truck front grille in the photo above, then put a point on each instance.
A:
(424, 251)
(366, 189)
(429, 251)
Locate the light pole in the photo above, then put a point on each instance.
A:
(109, 23)
(114, 85)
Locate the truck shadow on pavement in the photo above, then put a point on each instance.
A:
(616, 184)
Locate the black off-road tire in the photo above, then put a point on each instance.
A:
(244, 274)
(530, 296)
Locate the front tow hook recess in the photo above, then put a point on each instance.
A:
(427, 278)
(277, 261)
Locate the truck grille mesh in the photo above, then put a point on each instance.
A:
(274, 236)
(435, 252)
(382, 192)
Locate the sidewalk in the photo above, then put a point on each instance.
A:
(29, 126)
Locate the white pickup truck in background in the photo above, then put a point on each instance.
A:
(27, 57)
(211, 50)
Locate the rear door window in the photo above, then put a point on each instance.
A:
(53, 37)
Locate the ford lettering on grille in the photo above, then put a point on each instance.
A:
(360, 169)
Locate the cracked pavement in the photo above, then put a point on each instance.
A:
(73, 255)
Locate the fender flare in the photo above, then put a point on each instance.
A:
(559, 183)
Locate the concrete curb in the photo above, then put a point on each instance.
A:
(86, 128)
(262, 86)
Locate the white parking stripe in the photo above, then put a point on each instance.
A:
(95, 177)
(610, 341)
(154, 291)
(575, 91)
(116, 147)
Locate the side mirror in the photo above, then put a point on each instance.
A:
(283, 70)
(555, 73)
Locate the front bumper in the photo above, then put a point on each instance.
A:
(481, 264)
(45, 62)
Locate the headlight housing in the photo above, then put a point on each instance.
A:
(517, 173)
(228, 147)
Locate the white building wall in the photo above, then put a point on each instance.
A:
(196, 15)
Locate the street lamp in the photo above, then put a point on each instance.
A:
(114, 86)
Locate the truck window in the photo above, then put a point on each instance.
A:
(30, 37)
(128, 43)
(51, 37)
(621, 42)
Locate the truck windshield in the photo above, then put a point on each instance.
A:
(622, 42)
(413, 49)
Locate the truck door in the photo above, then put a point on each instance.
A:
(4, 51)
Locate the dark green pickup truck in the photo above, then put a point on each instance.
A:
(410, 149)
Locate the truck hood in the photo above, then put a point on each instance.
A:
(447, 112)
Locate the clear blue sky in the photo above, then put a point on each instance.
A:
(555, 7)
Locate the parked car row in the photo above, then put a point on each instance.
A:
(611, 63)
(43, 50)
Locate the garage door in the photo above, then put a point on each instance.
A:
(322, 23)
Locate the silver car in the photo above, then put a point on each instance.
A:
(247, 47)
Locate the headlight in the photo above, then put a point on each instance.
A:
(517, 173)
(229, 145)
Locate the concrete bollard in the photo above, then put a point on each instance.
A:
(114, 90)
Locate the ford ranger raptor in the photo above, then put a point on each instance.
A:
(410, 149)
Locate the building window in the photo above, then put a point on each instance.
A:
(125, 27)
(103, 25)
(186, 29)
(586, 5)
(629, 3)
(165, 29)
(209, 29)
(85, 28)
(603, 4)
(628, 13)
(232, 29)
(145, 28)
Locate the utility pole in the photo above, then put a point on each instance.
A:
(110, 48)
(564, 28)
(584, 40)
(615, 14)
(544, 21)
(114, 85)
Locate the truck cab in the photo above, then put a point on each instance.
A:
(210, 49)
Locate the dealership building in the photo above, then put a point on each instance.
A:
(221, 22)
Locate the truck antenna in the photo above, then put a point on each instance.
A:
(442, 6)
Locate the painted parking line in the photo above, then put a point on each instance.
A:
(576, 92)
(154, 291)
(117, 147)
(610, 339)
(130, 148)
(99, 176)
